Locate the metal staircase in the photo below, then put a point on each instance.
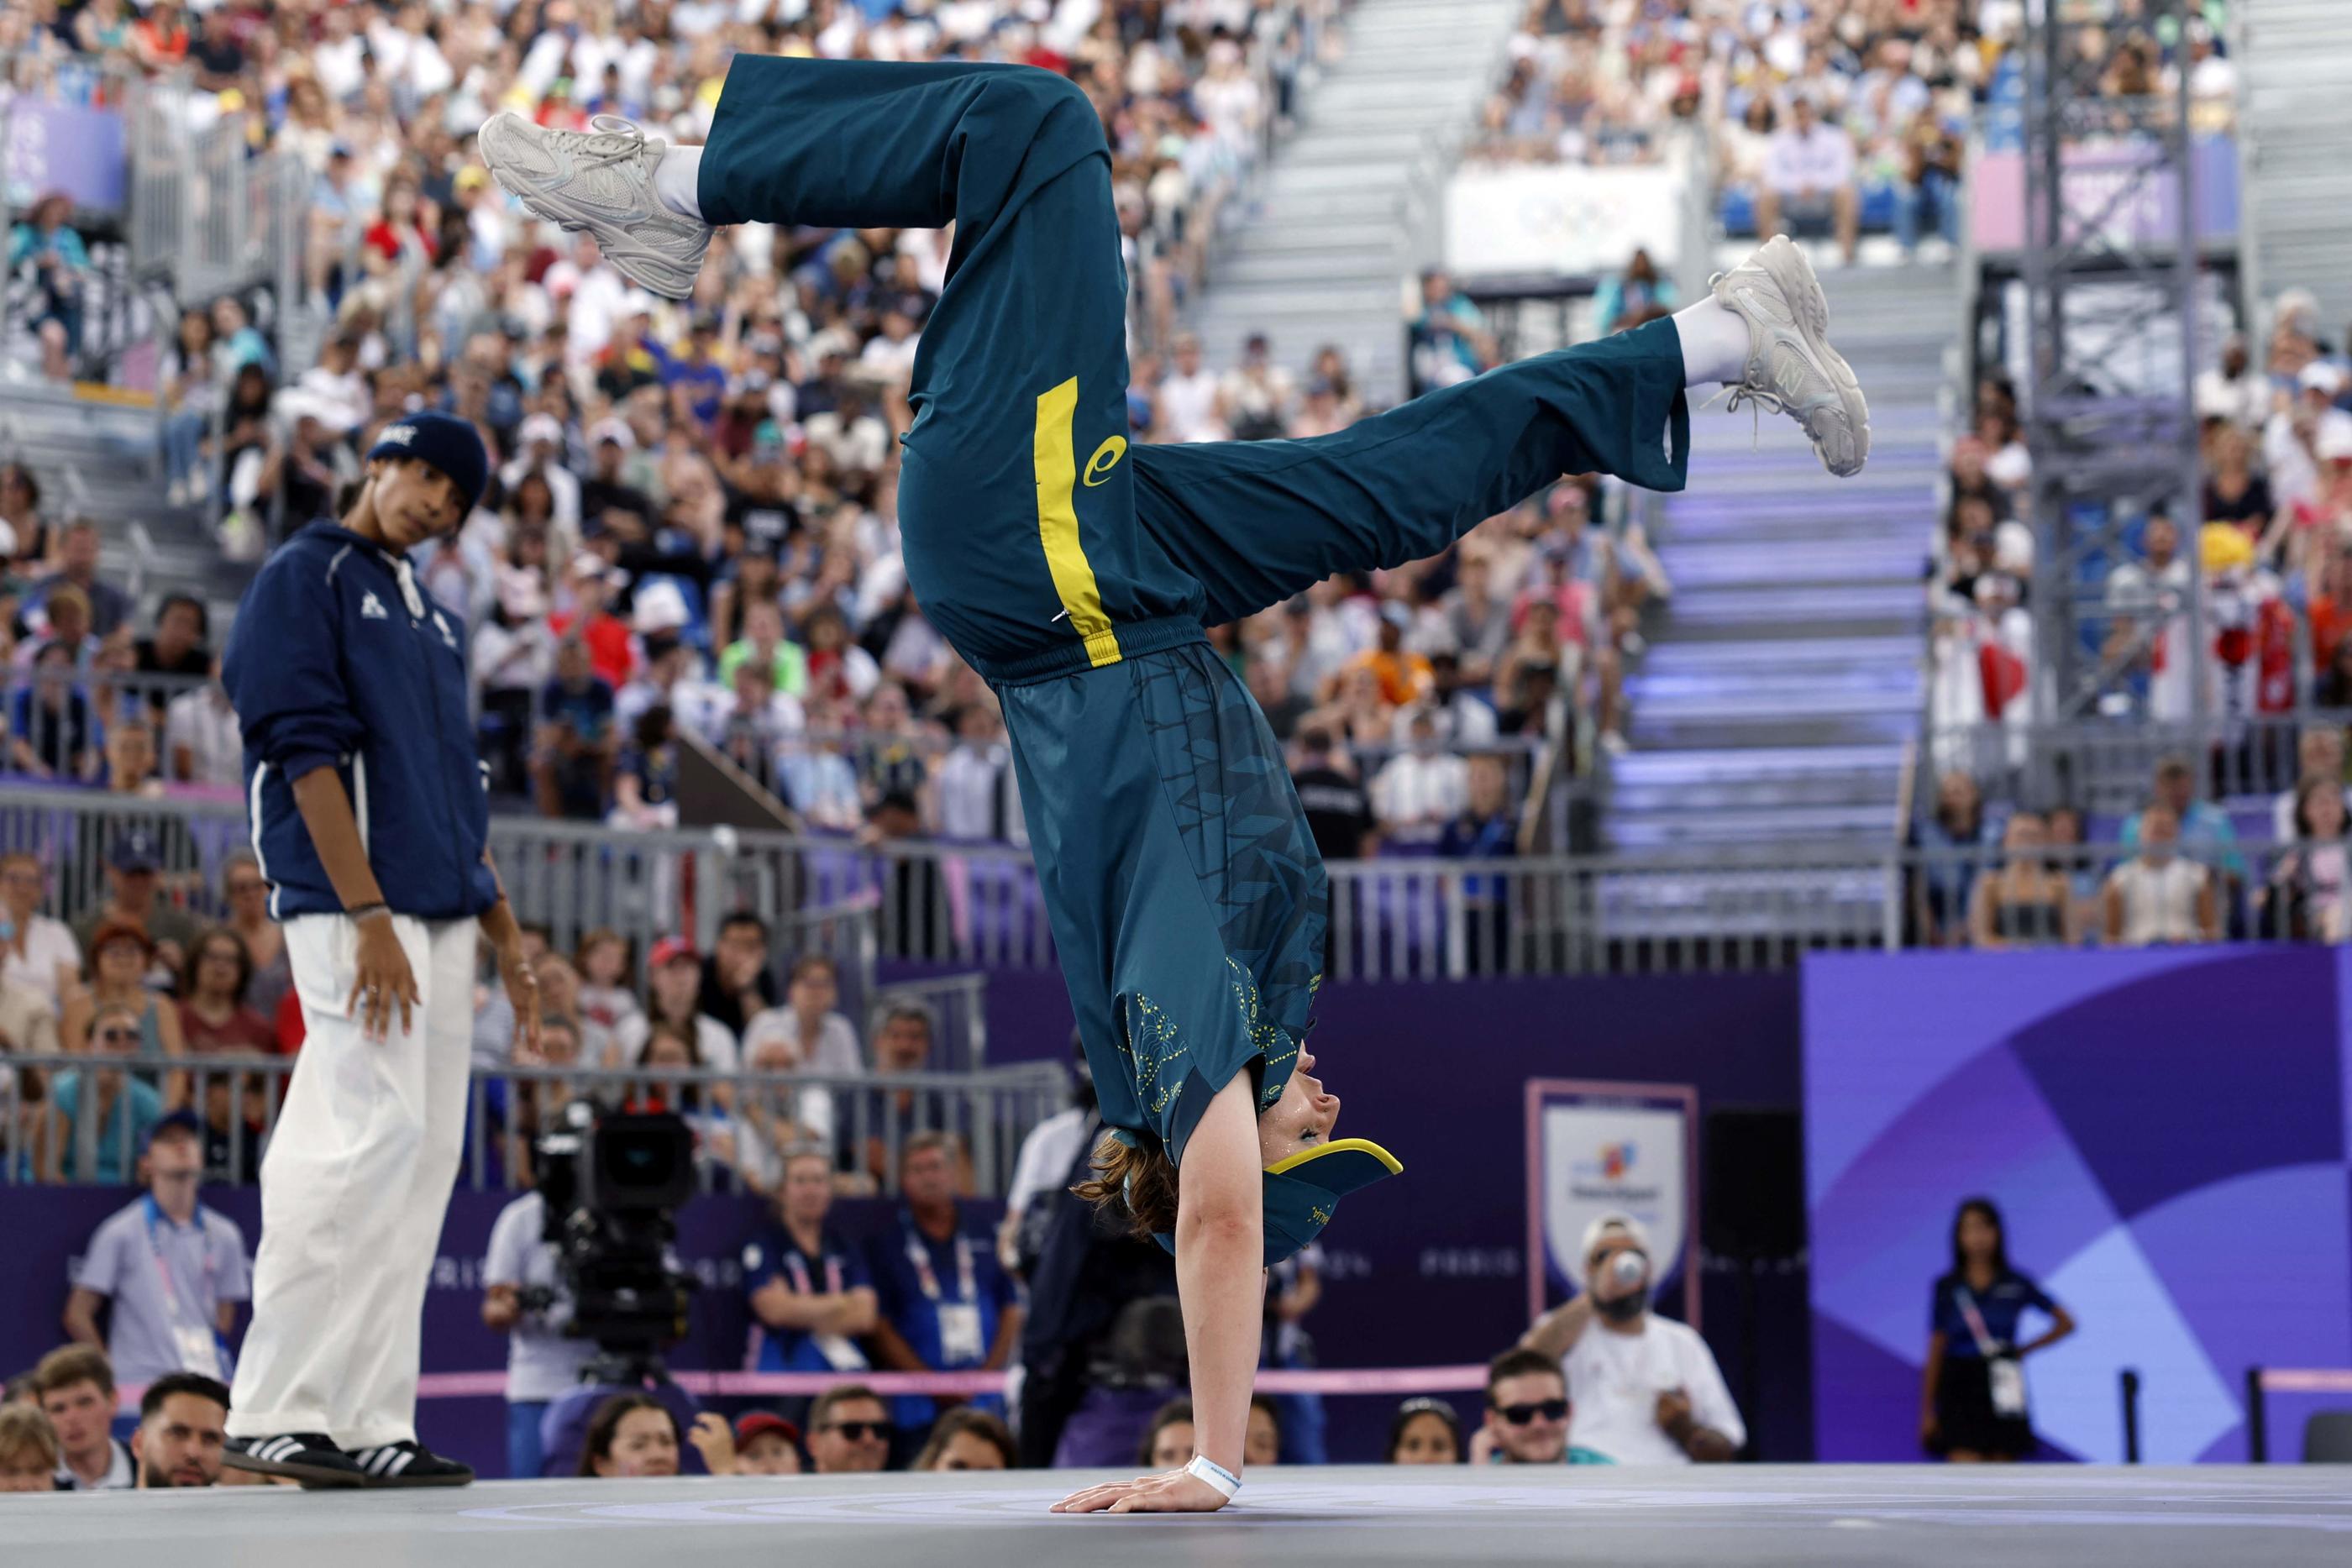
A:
(1338, 223)
(2294, 61)
(1782, 681)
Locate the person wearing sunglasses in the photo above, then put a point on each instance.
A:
(849, 1432)
(1526, 1413)
(121, 1118)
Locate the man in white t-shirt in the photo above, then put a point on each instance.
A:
(1809, 178)
(36, 952)
(1188, 396)
(542, 1364)
(1643, 1389)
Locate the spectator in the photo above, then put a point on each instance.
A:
(736, 982)
(1527, 1412)
(120, 954)
(631, 1436)
(76, 1387)
(183, 1431)
(810, 1294)
(30, 1459)
(1448, 340)
(764, 645)
(2154, 591)
(134, 871)
(1404, 676)
(177, 1317)
(78, 570)
(24, 537)
(2318, 752)
(971, 786)
(947, 1304)
(1426, 1432)
(52, 731)
(96, 1147)
(246, 895)
(672, 998)
(178, 647)
(28, 1024)
(201, 736)
(849, 1432)
(45, 245)
(1809, 179)
(1168, 1441)
(902, 1046)
(2026, 903)
(2206, 832)
(644, 780)
(2310, 881)
(213, 1017)
(2160, 895)
(1972, 1388)
(819, 1040)
(1630, 298)
(1338, 808)
(1254, 400)
(1645, 1389)
(571, 767)
(42, 955)
(1420, 792)
(762, 1444)
(1950, 845)
(523, 1298)
(1189, 397)
(1927, 197)
(967, 1439)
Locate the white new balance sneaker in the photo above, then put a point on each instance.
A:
(1791, 368)
(600, 179)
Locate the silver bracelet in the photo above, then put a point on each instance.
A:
(1216, 1475)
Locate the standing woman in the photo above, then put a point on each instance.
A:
(370, 818)
(1972, 1393)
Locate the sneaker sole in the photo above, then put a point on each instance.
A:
(398, 1483)
(600, 230)
(1803, 289)
(314, 1478)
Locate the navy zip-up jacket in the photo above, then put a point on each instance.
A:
(328, 667)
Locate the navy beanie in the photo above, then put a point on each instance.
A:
(449, 444)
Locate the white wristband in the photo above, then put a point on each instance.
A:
(1216, 1475)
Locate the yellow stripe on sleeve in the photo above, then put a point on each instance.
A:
(1057, 524)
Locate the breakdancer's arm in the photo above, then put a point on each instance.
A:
(1220, 1276)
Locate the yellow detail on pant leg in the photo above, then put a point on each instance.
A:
(1057, 524)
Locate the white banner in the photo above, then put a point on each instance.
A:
(1602, 1148)
(1561, 217)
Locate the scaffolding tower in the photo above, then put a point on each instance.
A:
(2113, 308)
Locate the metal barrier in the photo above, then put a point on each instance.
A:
(2102, 767)
(744, 1122)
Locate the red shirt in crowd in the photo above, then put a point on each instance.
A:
(609, 654)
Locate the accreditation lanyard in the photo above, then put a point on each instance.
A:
(196, 1336)
(926, 1278)
(799, 1268)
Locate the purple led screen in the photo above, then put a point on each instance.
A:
(2165, 1132)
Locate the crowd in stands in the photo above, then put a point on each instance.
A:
(691, 534)
(1821, 115)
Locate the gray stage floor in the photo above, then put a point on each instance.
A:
(1730, 1518)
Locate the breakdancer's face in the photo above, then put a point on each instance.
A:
(1302, 1119)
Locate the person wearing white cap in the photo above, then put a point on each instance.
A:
(1643, 1390)
(539, 448)
(2292, 441)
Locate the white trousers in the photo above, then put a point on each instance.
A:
(353, 1189)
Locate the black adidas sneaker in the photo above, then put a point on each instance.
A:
(311, 1457)
(408, 1464)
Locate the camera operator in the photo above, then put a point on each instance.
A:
(523, 1298)
(1644, 1390)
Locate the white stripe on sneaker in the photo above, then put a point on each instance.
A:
(401, 1459)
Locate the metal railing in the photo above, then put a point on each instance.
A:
(743, 1122)
(2110, 767)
